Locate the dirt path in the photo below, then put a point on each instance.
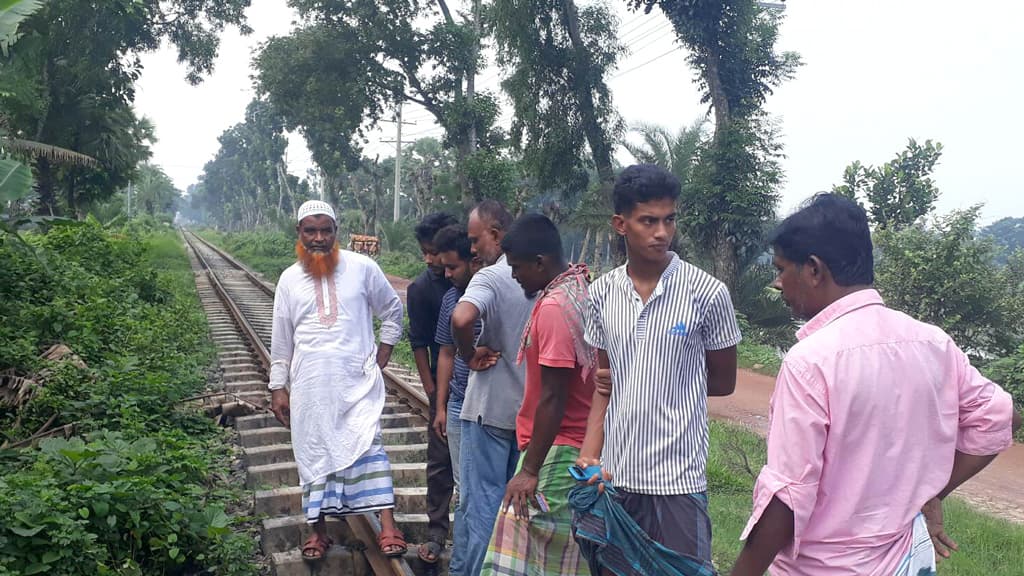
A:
(999, 489)
(400, 285)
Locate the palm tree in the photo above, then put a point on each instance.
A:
(16, 177)
(676, 152)
(761, 306)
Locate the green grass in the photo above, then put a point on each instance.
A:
(988, 545)
(758, 357)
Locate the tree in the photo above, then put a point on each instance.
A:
(69, 82)
(899, 191)
(946, 276)
(678, 152)
(350, 61)
(246, 183)
(559, 57)
(1008, 233)
(153, 192)
(732, 50)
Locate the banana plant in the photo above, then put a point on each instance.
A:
(12, 12)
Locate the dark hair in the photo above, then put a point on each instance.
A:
(643, 183)
(454, 238)
(835, 229)
(494, 213)
(532, 235)
(431, 223)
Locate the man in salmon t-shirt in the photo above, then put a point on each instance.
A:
(552, 421)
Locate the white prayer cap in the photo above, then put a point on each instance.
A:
(314, 207)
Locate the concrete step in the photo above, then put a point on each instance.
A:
(243, 375)
(264, 436)
(288, 501)
(249, 386)
(400, 421)
(287, 532)
(235, 348)
(271, 454)
(242, 363)
(255, 421)
(343, 560)
(410, 435)
(281, 474)
(281, 435)
(337, 560)
(395, 408)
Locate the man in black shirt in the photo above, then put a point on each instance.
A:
(424, 304)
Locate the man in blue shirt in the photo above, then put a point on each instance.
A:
(454, 254)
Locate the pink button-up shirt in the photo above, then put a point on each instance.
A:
(869, 408)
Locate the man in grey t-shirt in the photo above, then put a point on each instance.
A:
(495, 392)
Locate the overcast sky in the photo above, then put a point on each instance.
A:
(876, 73)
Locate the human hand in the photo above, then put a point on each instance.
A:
(520, 492)
(280, 406)
(944, 545)
(483, 359)
(441, 424)
(584, 462)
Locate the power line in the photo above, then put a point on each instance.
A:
(640, 21)
(620, 74)
(665, 32)
(641, 31)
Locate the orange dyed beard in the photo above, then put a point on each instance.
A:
(317, 264)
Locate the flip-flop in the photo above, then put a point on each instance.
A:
(389, 539)
(432, 549)
(315, 548)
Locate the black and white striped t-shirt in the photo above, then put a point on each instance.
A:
(656, 432)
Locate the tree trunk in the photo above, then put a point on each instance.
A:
(583, 82)
(586, 244)
(44, 186)
(724, 261)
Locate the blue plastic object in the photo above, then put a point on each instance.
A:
(585, 474)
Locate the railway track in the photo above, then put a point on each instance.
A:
(239, 307)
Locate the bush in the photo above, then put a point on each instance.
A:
(1009, 373)
(946, 276)
(136, 493)
(401, 264)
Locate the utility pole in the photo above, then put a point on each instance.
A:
(129, 199)
(398, 158)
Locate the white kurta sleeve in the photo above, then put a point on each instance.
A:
(386, 306)
(281, 343)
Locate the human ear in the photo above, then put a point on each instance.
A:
(619, 224)
(816, 270)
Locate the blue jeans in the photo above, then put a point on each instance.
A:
(488, 459)
(461, 530)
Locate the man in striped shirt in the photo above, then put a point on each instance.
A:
(667, 332)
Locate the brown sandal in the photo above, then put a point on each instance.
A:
(393, 538)
(315, 547)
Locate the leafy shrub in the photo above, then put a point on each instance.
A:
(136, 494)
(401, 264)
(1008, 372)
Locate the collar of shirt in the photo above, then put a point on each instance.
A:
(839, 308)
(673, 265)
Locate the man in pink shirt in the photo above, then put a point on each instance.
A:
(875, 418)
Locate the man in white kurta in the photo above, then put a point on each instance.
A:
(326, 379)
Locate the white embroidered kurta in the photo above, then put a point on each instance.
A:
(323, 351)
